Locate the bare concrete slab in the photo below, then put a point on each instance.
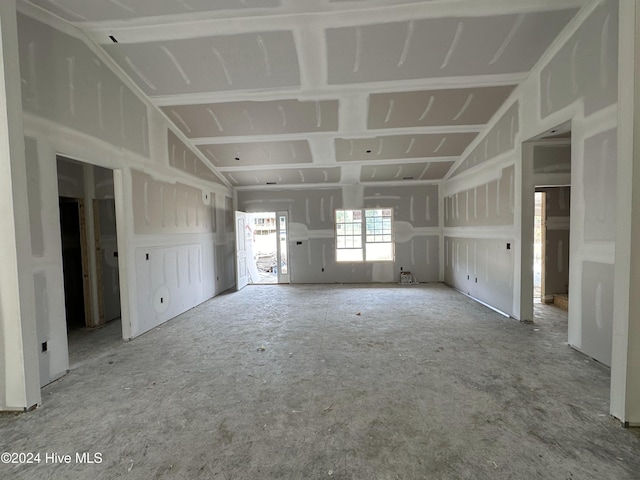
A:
(330, 382)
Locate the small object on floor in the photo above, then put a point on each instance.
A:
(329, 408)
(261, 348)
(407, 278)
(358, 314)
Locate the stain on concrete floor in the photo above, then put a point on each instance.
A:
(423, 384)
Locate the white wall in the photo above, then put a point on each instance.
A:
(76, 106)
(417, 230)
(576, 80)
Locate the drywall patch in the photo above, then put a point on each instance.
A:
(161, 299)
(597, 310)
(600, 178)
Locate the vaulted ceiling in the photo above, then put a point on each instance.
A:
(324, 91)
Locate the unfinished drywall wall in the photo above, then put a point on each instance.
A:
(482, 268)
(77, 107)
(64, 81)
(489, 204)
(312, 230)
(174, 277)
(597, 310)
(576, 81)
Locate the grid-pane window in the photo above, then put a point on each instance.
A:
(364, 235)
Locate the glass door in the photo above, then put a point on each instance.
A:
(283, 247)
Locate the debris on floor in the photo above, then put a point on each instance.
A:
(261, 348)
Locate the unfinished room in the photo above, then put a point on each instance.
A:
(341, 239)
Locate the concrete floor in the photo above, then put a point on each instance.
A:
(354, 382)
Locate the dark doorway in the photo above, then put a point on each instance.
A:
(72, 262)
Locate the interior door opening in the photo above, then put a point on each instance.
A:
(73, 263)
(89, 244)
(551, 245)
(539, 247)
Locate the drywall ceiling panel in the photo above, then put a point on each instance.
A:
(402, 146)
(83, 10)
(255, 118)
(457, 47)
(404, 171)
(392, 172)
(257, 153)
(461, 106)
(290, 176)
(436, 170)
(377, 2)
(220, 63)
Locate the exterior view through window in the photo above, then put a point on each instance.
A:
(364, 235)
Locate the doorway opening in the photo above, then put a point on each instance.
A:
(546, 223)
(269, 248)
(262, 248)
(89, 245)
(551, 245)
(538, 247)
(74, 264)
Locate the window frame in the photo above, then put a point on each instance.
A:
(380, 230)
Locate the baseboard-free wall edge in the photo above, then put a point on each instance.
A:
(504, 314)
